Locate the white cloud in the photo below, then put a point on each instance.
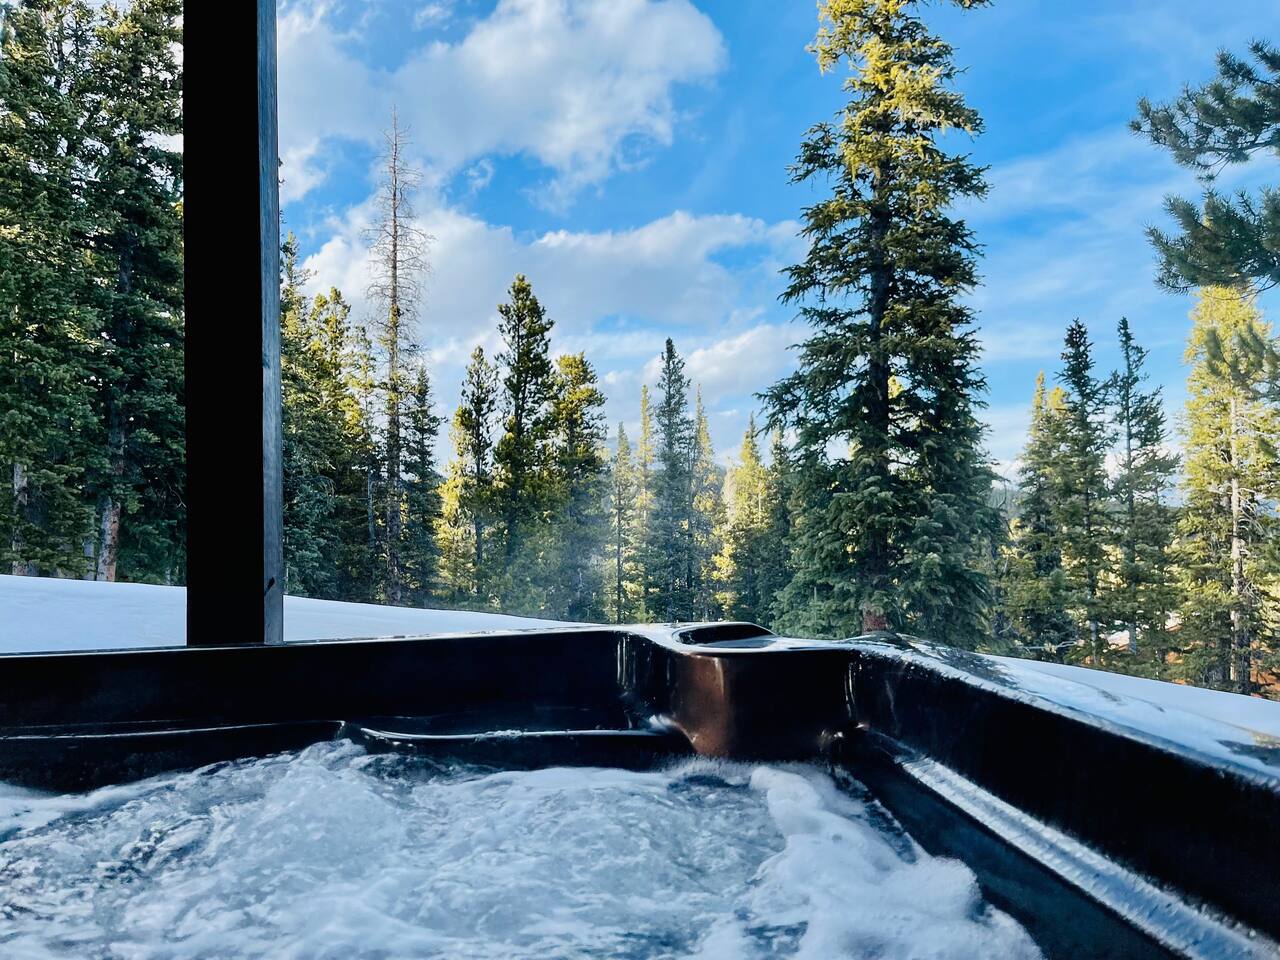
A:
(582, 86)
(299, 172)
(665, 272)
(746, 363)
(433, 14)
(616, 295)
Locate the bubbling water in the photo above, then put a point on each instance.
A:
(330, 852)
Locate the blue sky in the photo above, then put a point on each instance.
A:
(630, 157)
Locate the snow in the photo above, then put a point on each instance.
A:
(1250, 713)
(46, 614)
(1224, 728)
(332, 853)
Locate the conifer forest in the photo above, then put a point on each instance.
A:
(861, 496)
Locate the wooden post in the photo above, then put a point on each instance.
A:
(235, 557)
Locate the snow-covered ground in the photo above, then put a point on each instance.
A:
(45, 614)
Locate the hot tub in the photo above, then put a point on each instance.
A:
(670, 791)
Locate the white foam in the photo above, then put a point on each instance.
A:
(333, 853)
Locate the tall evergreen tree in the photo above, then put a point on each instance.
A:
(365, 573)
(1037, 592)
(134, 193)
(308, 483)
(645, 480)
(1084, 520)
(422, 492)
(776, 569)
(740, 565)
(49, 318)
(326, 437)
(1233, 119)
(1232, 481)
(624, 594)
(575, 588)
(1003, 636)
(1145, 595)
(345, 359)
(891, 532)
(522, 454)
(398, 261)
(669, 550)
(465, 532)
(706, 517)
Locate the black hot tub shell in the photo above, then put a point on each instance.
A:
(1104, 839)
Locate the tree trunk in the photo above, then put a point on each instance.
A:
(1131, 534)
(108, 538)
(478, 530)
(90, 556)
(393, 451)
(1095, 646)
(396, 198)
(108, 505)
(618, 568)
(876, 568)
(21, 495)
(1239, 662)
(370, 514)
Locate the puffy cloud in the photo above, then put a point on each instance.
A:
(579, 85)
(746, 363)
(616, 295)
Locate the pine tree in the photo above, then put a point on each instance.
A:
(776, 569)
(326, 442)
(575, 589)
(624, 483)
(645, 480)
(465, 532)
(1003, 638)
(1145, 595)
(1037, 593)
(1233, 119)
(49, 320)
(1083, 512)
(344, 356)
(398, 261)
(133, 193)
(521, 458)
(740, 565)
(707, 516)
(364, 573)
(669, 553)
(1232, 480)
(422, 492)
(308, 483)
(892, 532)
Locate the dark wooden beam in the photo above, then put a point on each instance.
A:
(235, 559)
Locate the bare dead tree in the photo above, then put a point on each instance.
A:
(399, 261)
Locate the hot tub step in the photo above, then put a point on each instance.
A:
(632, 749)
